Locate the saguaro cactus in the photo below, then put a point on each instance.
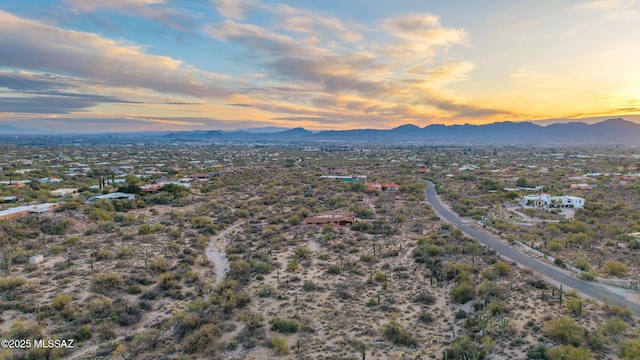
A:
(560, 297)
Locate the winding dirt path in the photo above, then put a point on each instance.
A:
(215, 251)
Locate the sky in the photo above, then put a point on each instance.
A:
(139, 65)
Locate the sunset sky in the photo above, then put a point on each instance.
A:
(130, 65)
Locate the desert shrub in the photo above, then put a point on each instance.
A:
(61, 301)
(425, 298)
(575, 306)
(333, 269)
(284, 326)
(144, 229)
(463, 292)
(614, 326)
(502, 269)
(615, 268)
(201, 242)
(10, 283)
(292, 266)
(588, 276)
(565, 331)
(134, 289)
(240, 270)
(159, 265)
(103, 254)
(83, 333)
(555, 245)
(569, 352)
(342, 291)
(266, 290)
(25, 330)
(491, 290)
(371, 302)
(56, 249)
(202, 339)
(425, 317)
(597, 341)
(107, 282)
(537, 353)
(498, 307)
(260, 267)
(424, 252)
(301, 252)
(280, 346)
(460, 314)
(56, 227)
(629, 349)
(465, 348)
(581, 263)
(73, 241)
(619, 311)
(398, 335)
(309, 285)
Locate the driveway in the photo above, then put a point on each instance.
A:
(593, 290)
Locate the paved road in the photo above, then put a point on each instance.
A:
(551, 272)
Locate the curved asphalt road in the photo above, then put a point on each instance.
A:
(554, 274)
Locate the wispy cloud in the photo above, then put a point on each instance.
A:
(29, 44)
(606, 4)
(235, 9)
(151, 9)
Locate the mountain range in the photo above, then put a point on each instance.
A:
(609, 132)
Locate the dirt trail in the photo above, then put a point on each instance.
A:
(215, 252)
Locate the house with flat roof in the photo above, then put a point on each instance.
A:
(114, 196)
(548, 201)
(64, 192)
(152, 188)
(19, 211)
(339, 220)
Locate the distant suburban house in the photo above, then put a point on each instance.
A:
(548, 201)
(521, 188)
(179, 183)
(339, 220)
(378, 186)
(50, 180)
(8, 199)
(199, 177)
(37, 210)
(348, 178)
(148, 189)
(114, 196)
(580, 187)
(64, 192)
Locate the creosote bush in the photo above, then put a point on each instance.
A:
(398, 335)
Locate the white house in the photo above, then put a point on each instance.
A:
(548, 201)
(114, 196)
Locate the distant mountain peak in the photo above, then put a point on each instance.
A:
(296, 131)
(406, 128)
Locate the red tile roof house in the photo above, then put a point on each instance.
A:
(151, 188)
(339, 220)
